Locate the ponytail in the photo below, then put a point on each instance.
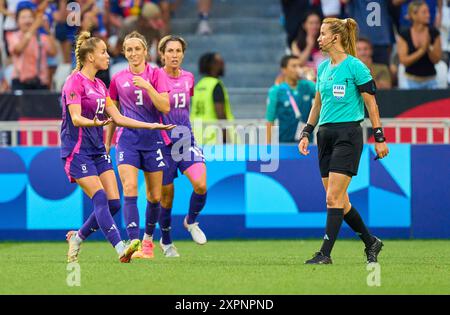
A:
(85, 44)
(80, 40)
(352, 29)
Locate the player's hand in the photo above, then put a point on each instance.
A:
(303, 146)
(141, 83)
(101, 123)
(381, 149)
(161, 126)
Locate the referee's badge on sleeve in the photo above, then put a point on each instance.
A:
(339, 90)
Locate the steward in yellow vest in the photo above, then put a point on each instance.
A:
(210, 101)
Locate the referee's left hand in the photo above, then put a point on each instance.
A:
(303, 146)
(381, 149)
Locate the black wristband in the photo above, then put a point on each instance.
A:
(307, 131)
(378, 135)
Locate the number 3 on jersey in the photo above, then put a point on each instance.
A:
(180, 100)
(140, 98)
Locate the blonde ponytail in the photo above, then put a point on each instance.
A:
(352, 30)
(85, 44)
(80, 40)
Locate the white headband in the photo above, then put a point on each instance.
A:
(143, 43)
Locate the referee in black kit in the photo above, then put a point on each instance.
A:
(344, 85)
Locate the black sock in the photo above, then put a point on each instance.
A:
(334, 222)
(354, 220)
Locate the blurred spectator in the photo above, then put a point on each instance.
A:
(381, 35)
(8, 10)
(3, 83)
(294, 15)
(118, 10)
(434, 6)
(165, 6)
(380, 72)
(116, 15)
(445, 29)
(305, 45)
(204, 7)
(419, 48)
(50, 7)
(29, 49)
(65, 33)
(149, 23)
(290, 102)
(210, 101)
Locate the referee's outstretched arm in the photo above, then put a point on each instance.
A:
(312, 121)
(381, 147)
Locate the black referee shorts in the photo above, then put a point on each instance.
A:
(340, 146)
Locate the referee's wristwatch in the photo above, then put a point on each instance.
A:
(307, 131)
(379, 135)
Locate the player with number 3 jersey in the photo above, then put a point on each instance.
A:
(143, 97)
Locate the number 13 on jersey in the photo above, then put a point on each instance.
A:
(180, 100)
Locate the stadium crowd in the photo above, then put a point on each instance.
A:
(404, 45)
(38, 36)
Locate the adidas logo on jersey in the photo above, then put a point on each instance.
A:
(91, 91)
(161, 164)
(127, 84)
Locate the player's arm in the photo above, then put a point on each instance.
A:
(312, 122)
(160, 100)
(372, 108)
(79, 121)
(124, 121)
(110, 129)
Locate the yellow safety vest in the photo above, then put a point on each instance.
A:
(203, 110)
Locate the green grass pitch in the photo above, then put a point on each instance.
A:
(228, 267)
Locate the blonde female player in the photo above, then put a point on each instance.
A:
(344, 85)
(143, 97)
(85, 100)
(183, 153)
